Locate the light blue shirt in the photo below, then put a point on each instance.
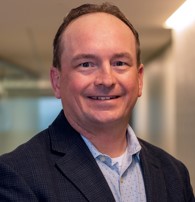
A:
(124, 177)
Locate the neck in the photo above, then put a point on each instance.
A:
(110, 140)
(112, 145)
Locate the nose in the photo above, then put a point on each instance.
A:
(105, 76)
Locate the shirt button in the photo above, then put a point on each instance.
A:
(121, 180)
(102, 158)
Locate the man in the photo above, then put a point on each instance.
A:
(90, 153)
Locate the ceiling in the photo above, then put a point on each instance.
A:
(28, 29)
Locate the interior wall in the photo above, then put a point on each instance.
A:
(165, 114)
(184, 54)
(154, 116)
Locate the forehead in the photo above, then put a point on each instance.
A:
(100, 34)
(97, 22)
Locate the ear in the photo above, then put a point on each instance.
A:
(140, 78)
(55, 81)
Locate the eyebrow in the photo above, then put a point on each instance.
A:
(83, 56)
(122, 55)
(92, 56)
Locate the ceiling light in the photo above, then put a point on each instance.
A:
(182, 17)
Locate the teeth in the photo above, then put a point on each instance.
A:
(103, 98)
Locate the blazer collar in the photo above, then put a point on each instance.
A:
(78, 165)
(153, 176)
(76, 162)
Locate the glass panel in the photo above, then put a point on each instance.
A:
(21, 118)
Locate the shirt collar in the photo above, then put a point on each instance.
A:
(133, 145)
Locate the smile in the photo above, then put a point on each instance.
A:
(103, 97)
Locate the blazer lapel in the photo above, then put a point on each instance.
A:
(78, 164)
(153, 177)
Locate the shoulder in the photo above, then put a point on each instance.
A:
(168, 164)
(44, 148)
(150, 149)
(23, 154)
(158, 164)
(20, 168)
(153, 152)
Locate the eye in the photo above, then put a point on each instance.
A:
(120, 63)
(86, 64)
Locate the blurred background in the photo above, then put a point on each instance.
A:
(164, 115)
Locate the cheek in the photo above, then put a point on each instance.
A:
(132, 87)
(129, 81)
(71, 86)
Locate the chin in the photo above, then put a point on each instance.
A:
(107, 119)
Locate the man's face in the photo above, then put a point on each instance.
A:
(99, 81)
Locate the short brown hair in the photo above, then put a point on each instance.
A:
(86, 9)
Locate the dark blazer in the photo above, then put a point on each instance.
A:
(56, 165)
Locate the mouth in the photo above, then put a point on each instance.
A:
(103, 97)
